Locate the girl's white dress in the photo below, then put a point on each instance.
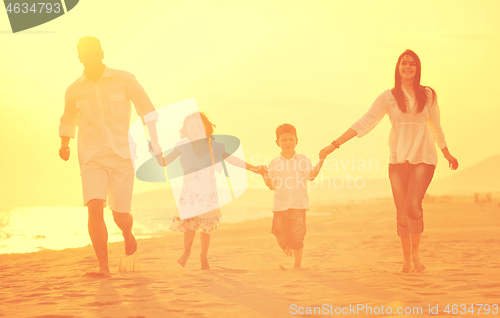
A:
(199, 189)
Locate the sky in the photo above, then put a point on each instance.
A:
(251, 66)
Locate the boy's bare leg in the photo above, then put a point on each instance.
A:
(125, 221)
(298, 258)
(188, 242)
(98, 234)
(406, 245)
(205, 244)
(415, 244)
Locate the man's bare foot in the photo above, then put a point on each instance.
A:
(100, 274)
(204, 262)
(130, 244)
(288, 251)
(406, 268)
(183, 259)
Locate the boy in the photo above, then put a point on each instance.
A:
(287, 176)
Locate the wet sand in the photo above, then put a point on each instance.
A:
(352, 256)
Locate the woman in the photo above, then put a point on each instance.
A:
(414, 114)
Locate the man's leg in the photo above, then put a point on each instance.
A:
(98, 234)
(121, 184)
(125, 221)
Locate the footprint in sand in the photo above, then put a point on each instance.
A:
(101, 303)
(78, 295)
(488, 285)
(462, 288)
(491, 295)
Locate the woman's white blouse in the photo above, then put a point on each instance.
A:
(410, 138)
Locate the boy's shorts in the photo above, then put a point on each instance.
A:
(108, 174)
(289, 227)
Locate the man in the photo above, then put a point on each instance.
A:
(99, 103)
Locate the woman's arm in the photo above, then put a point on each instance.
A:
(348, 135)
(437, 132)
(363, 126)
(452, 161)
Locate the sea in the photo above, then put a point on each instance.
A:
(32, 229)
(26, 230)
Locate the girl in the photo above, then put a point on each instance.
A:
(198, 154)
(414, 115)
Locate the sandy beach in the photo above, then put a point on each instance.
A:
(352, 257)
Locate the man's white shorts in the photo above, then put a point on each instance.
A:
(107, 174)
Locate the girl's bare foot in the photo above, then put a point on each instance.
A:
(288, 251)
(406, 268)
(204, 262)
(183, 259)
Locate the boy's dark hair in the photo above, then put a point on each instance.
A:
(285, 129)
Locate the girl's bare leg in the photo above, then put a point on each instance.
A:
(205, 244)
(188, 242)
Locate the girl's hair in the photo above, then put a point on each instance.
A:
(420, 91)
(209, 127)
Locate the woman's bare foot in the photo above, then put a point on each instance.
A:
(204, 262)
(406, 268)
(130, 244)
(183, 259)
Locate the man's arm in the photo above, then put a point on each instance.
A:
(64, 150)
(155, 145)
(67, 125)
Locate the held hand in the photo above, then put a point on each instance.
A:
(262, 170)
(155, 147)
(326, 151)
(160, 160)
(452, 162)
(64, 153)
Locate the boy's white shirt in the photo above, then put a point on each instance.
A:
(290, 178)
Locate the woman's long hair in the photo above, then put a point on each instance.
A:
(420, 91)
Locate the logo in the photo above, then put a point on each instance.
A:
(26, 14)
(201, 179)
